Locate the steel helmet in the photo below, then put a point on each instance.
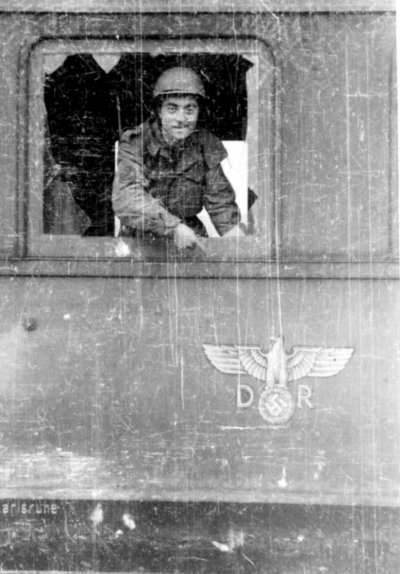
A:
(179, 81)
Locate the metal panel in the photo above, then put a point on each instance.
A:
(127, 6)
(112, 395)
(328, 165)
(123, 448)
(197, 538)
(339, 198)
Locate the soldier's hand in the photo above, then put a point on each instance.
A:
(185, 238)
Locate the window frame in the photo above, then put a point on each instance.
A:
(255, 247)
(96, 256)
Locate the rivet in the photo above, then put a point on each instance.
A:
(29, 323)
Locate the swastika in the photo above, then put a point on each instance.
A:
(276, 405)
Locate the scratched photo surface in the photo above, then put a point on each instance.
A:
(199, 287)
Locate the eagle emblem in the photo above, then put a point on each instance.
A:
(276, 368)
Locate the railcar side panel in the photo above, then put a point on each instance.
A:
(122, 435)
(108, 385)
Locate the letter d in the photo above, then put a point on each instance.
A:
(242, 402)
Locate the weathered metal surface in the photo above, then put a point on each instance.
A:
(337, 69)
(122, 448)
(171, 6)
(197, 538)
(113, 390)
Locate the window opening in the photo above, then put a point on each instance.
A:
(90, 99)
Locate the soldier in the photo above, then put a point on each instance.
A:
(169, 168)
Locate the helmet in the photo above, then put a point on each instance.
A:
(179, 81)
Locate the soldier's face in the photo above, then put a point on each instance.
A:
(179, 115)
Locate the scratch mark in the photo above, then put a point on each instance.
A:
(97, 515)
(182, 384)
(282, 483)
(128, 521)
(223, 427)
(235, 540)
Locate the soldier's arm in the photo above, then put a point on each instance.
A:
(220, 202)
(132, 203)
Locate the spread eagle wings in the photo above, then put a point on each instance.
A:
(317, 361)
(235, 360)
(301, 362)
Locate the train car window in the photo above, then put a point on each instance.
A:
(85, 95)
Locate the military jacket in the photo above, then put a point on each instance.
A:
(158, 186)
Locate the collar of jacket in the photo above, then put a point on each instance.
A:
(200, 143)
(187, 153)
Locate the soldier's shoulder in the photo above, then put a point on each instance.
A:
(206, 136)
(213, 148)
